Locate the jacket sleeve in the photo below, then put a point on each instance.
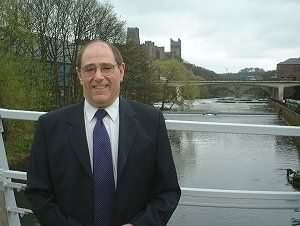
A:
(39, 189)
(166, 192)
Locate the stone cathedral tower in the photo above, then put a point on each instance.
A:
(175, 48)
(133, 35)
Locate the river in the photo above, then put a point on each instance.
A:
(230, 161)
(233, 161)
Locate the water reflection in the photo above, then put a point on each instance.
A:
(233, 161)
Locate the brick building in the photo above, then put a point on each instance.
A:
(289, 69)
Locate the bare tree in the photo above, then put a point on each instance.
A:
(63, 26)
(92, 20)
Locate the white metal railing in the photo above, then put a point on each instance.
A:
(241, 199)
(190, 196)
(186, 125)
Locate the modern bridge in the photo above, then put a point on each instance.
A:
(278, 91)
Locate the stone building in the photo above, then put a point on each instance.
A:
(176, 48)
(289, 69)
(153, 51)
(133, 35)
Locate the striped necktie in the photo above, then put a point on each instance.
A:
(104, 186)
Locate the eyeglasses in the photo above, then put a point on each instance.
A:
(106, 69)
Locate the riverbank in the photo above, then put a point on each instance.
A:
(291, 117)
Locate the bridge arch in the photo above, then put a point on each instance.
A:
(277, 91)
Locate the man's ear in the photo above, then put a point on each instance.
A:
(79, 75)
(122, 71)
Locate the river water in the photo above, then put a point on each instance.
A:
(230, 161)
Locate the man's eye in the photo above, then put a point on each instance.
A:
(107, 66)
(89, 69)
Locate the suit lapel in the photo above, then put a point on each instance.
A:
(77, 137)
(127, 133)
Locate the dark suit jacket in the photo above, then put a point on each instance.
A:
(60, 180)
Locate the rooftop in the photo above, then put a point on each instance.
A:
(291, 61)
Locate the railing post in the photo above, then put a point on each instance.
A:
(7, 196)
(3, 213)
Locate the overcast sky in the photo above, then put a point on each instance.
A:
(223, 36)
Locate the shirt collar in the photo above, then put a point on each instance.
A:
(111, 110)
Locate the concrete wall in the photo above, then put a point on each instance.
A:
(291, 117)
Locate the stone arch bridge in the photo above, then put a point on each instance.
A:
(277, 91)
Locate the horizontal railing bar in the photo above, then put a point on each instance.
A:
(185, 114)
(12, 174)
(200, 191)
(18, 186)
(187, 125)
(240, 206)
(243, 199)
(245, 194)
(20, 114)
(233, 128)
(21, 211)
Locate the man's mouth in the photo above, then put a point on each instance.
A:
(99, 87)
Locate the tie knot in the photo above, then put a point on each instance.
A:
(100, 114)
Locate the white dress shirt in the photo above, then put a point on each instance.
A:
(111, 123)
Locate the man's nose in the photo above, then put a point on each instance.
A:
(98, 74)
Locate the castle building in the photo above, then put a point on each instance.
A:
(176, 48)
(133, 35)
(153, 51)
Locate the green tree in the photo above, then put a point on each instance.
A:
(22, 86)
(23, 79)
(173, 70)
(140, 71)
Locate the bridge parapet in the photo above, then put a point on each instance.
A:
(278, 85)
(234, 82)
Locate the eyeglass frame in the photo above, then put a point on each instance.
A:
(99, 66)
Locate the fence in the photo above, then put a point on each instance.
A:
(10, 214)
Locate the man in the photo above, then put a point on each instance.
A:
(113, 170)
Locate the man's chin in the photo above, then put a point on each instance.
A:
(102, 101)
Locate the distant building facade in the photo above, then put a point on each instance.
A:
(153, 51)
(289, 69)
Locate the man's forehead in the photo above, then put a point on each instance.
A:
(97, 49)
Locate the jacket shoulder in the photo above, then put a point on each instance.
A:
(62, 113)
(139, 108)
(144, 113)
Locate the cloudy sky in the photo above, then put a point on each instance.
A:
(223, 36)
